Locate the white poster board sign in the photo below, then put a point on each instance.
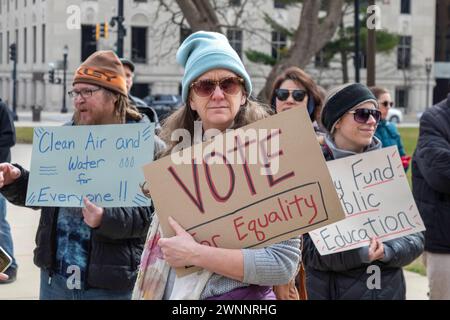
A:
(102, 163)
(377, 201)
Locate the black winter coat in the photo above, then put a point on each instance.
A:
(7, 133)
(431, 176)
(344, 275)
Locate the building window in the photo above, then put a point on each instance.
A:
(88, 42)
(43, 43)
(405, 7)
(404, 53)
(235, 38)
(184, 33)
(34, 44)
(401, 97)
(139, 44)
(320, 60)
(25, 39)
(279, 4)
(235, 3)
(1, 48)
(279, 43)
(8, 43)
(363, 60)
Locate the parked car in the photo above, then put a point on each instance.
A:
(395, 115)
(164, 104)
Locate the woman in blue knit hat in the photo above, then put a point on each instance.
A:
(216, 90)
(350, 115)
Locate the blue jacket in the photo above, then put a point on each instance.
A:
(388, 134)
(431, 176)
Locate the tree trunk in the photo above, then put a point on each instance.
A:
(344, 61)
(310, 37)
(200, 15)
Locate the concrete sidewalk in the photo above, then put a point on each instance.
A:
(48, 119)
(24, 223)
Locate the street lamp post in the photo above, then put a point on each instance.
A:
(65, 54)
(428, 66)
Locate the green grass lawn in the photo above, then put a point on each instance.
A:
(409, 138)
(24, 135)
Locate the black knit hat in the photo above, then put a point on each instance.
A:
(343, 99)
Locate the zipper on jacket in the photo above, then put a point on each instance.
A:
(86, 285)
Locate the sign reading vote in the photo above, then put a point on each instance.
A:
(247, 188)
(377, 200)
(102, 163)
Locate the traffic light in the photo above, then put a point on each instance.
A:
(101, 31)
(51, 75)
(13, 52)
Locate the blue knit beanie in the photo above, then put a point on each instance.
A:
(204, 51)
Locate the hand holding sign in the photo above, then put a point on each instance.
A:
(92, 214)
(8, 174)
(376, 250)
(3, 277)
(178, 250)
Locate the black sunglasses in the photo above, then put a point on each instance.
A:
(297, 95)
(363, 115)
(387, 104)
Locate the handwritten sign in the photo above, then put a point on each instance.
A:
(238, 202)
(102, 163)
(375, 195)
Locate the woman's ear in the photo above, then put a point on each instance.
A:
(338, 124)
(191, 104)
(243, 100)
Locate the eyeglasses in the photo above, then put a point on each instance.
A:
(297, 95)
(363, 115)
(230, 86)
(387, 104)
(84, 93)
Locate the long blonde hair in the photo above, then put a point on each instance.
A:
(185, 117)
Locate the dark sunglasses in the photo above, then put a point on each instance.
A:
(297, 95)
(230, 86)
(387, 104)
(363, 115)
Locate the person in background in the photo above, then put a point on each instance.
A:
(143, 108)
(295, 88)
(7, 140)
(350, 115)
(387, 132)
(431, 190)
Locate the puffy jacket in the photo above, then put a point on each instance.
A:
(115, 246)
(344, 275)
(431, 176)
(388, 134)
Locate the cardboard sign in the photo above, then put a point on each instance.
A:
(102, 163)
(377, 200)
(270, 184)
